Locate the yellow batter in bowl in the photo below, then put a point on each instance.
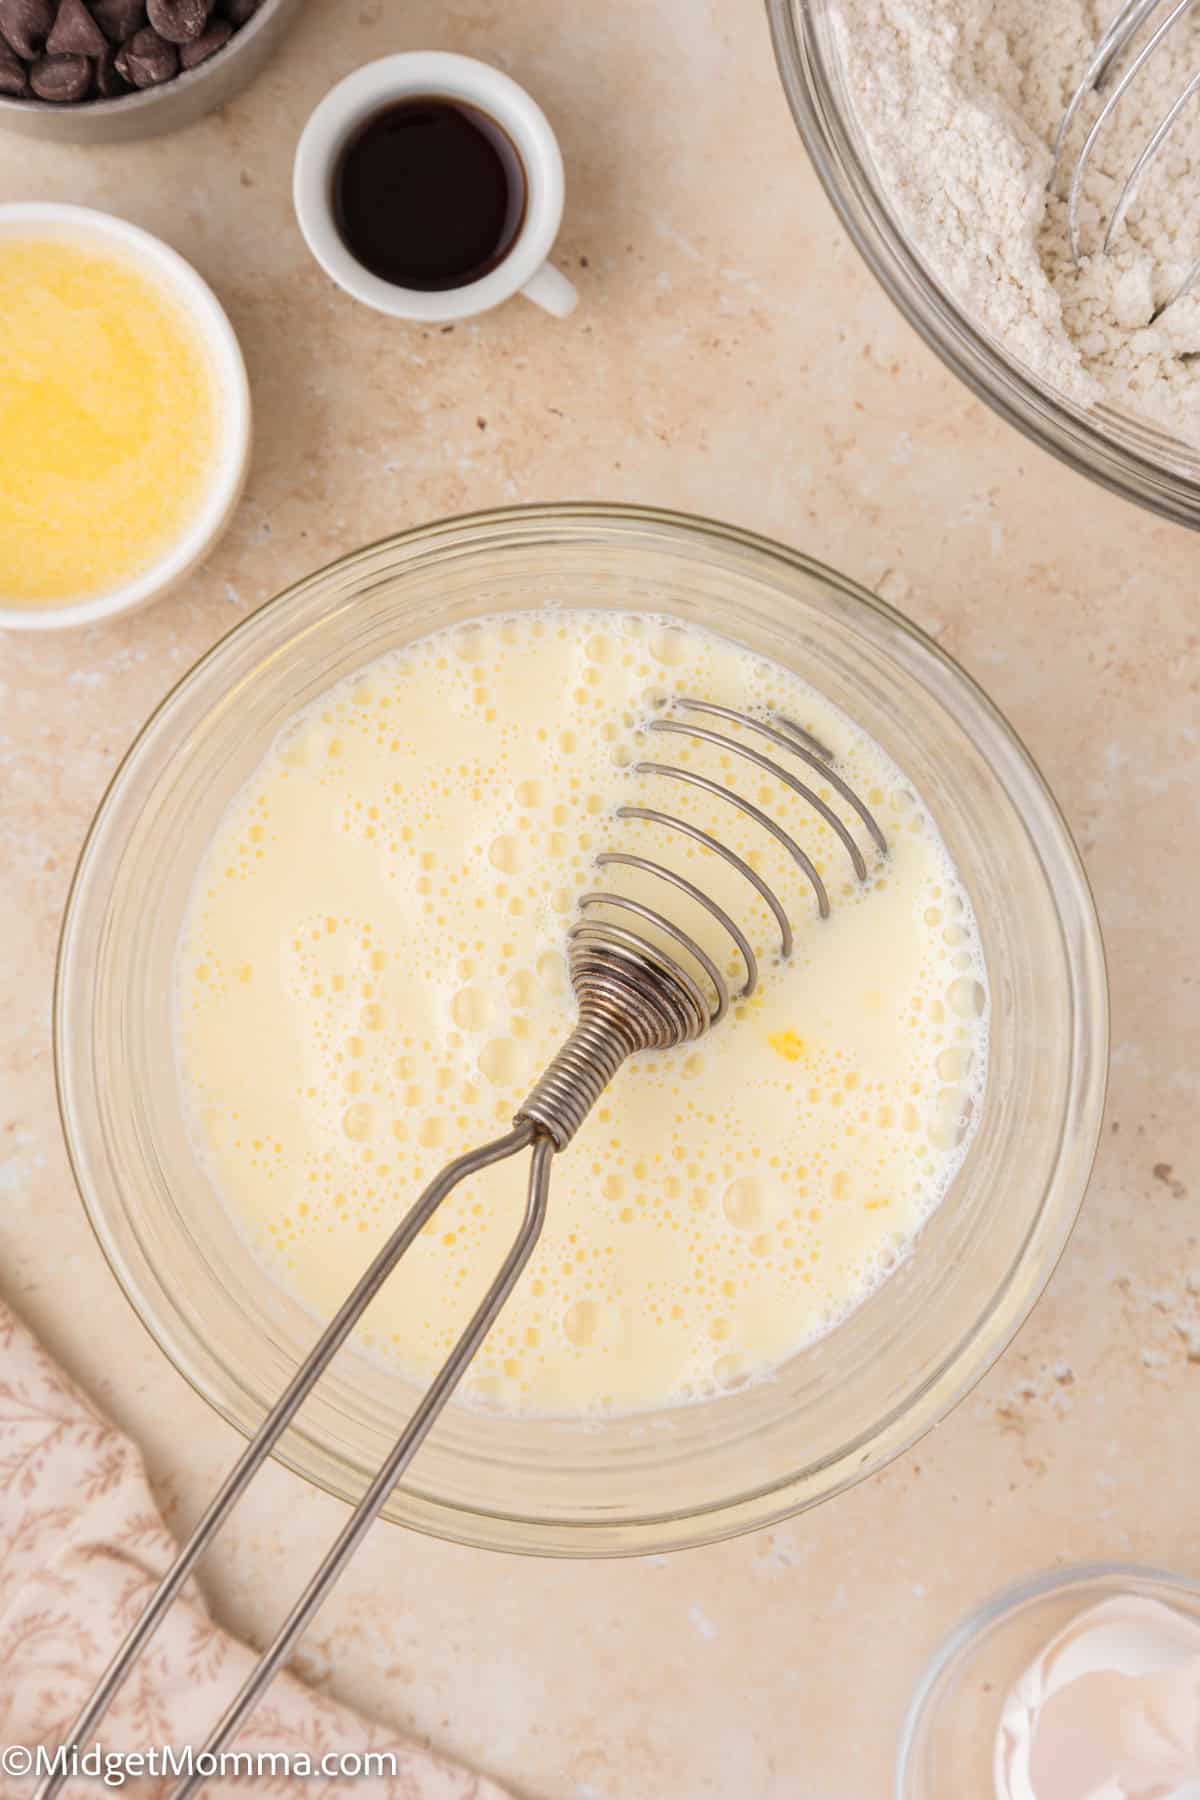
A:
(372, 976)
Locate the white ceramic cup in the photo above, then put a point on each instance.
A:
(523, 270)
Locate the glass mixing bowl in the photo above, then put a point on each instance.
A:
(838, 1409)
(1126, 454)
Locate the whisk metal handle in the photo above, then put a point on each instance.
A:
(408, 1443)
(524, 1133)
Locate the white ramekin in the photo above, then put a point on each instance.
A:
(82, 225)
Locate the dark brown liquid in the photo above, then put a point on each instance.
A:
(429, 194)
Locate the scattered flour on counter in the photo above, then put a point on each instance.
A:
(961, 101)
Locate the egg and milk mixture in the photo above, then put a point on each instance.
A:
(373, 974)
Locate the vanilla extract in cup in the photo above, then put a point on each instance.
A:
(429, 193)
(430, 187)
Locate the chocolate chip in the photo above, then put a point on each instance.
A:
(207, 44)
(75, 32)
(110, 83)
(25, 25)
(13, 79)
(179, 21)
(147, 59)
(61, 79)
(66, 50)
(119, 19)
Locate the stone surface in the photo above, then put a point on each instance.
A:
(730, 356)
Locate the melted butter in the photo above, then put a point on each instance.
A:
(107, 422)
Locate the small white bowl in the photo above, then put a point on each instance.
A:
(81, 225)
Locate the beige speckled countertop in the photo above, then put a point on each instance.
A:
(730, 356)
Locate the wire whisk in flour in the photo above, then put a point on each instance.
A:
(964, 103)
(1119, 61)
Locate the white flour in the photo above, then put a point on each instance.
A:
(961, 100)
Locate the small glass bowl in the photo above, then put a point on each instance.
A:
(947, 1746)
(1129, 455)
(838, 1409)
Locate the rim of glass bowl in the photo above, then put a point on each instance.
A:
(962, 1364)
(1138, 467)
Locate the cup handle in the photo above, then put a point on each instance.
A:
(547, 288)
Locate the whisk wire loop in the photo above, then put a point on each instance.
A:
(624, 859)
(1117, 41)
(784, 733)
(1133, 182)
(782, 730)
(685, 940)
(1124, 28)
(652, 816)
(819, 806)
(691, 778)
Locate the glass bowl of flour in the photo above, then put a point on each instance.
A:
(315, 947)
(931, 126)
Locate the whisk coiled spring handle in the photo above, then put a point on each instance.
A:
(642, 985)
(630, 999)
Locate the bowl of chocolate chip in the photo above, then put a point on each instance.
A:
(107, 71)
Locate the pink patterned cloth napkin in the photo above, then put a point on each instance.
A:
(81, 1546)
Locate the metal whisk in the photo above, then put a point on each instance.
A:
(642, 982)
(1108, 73)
